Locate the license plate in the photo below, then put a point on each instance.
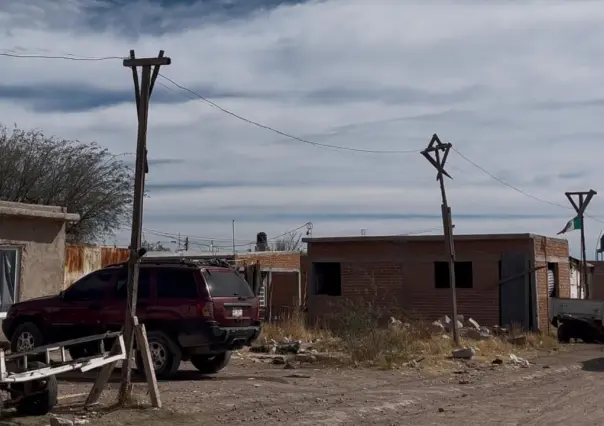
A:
(237, 313)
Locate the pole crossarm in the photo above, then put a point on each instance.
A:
(436, 146)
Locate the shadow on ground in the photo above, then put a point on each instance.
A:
(180, 376)
(595, 365)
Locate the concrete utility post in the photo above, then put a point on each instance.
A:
(142, 95)
(441, 152)
(583, 199)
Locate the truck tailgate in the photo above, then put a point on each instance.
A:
(580, 308)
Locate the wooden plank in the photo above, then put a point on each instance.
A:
(143, 346)
(104, 374)
(138, 62)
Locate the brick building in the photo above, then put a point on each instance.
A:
(501, 279)
(287, 274)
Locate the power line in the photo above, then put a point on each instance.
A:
(68, 57)
(521, 191)
(281, 133)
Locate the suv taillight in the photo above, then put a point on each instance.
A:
(205, 310)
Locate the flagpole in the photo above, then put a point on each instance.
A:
(584, 255)
(584, 197)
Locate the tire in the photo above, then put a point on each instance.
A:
(211, 364)
(26, 337)
(563, 333)
(43, 402)
(165, 355)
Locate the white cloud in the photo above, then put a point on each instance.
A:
(514, 86)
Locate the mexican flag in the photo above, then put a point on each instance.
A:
(574, 223)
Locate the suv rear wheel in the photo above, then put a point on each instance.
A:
(210, 364)
(165, 355)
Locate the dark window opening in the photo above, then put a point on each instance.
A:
(553, 283)
(91, 287)
(176, 283)
(144, 284)
(328, 277)
(464, 277)
(227, 284)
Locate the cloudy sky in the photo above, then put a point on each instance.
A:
(516, 87)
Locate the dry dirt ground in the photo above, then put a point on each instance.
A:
(567, 388)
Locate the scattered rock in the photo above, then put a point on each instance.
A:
(289, 348)
(499, 331)
(306, 358)
(395, 322)
(279, 360)
(463, 353)
(438, 327)
(290, 366)
(60, 421)
(545, 366)
(441, 410)
(476, 334)
(520, 362)
(497, 361)
(474, 324)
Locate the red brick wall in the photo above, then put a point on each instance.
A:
(285, 284)
(400, 275)
(272, 259)
(550, 250)
(597, 281)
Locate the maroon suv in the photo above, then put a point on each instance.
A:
(192, 311)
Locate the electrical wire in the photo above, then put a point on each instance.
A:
(521, 191)
(281, 133)
(68, 57)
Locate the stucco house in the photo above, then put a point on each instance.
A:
(32, 251)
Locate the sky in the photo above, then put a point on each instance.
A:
(516, 88)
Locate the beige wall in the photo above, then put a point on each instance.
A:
(42, 254)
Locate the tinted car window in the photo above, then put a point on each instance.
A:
(227, 284)
(91, 287)
(176, 283)
(144, 284)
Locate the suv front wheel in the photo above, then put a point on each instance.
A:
(165, 355)
(26, 337)
(210, 364)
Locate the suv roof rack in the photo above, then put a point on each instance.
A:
(184, 261)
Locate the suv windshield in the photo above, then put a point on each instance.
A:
(227, 284)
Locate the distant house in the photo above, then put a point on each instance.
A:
(577, 288)
(32, 251)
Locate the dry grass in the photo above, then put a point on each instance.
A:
(292, 327)
(360, 334)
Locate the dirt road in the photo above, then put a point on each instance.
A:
(564, 389)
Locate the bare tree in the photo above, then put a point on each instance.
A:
(291, 241)
(157, 246)
(83, 177)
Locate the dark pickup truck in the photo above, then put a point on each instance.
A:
(192, 311)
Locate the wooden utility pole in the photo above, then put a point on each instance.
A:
(583, 198)
(441, 152)
(142, 95)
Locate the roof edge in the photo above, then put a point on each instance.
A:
(38, 213)
(420, 238)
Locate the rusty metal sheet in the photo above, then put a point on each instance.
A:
(81, 260)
